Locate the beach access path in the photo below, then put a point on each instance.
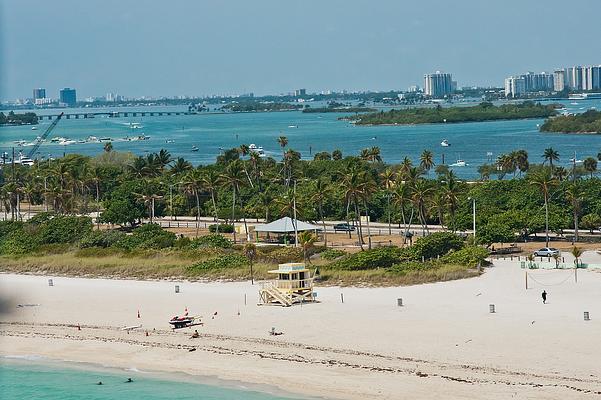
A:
(442, 343)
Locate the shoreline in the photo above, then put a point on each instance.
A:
(32, 360)
(442, 342)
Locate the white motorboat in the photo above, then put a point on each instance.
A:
(194, 148)
(459, 163)
(445, 143)
(92, 139)
(67, 142)
(34, 128)
(20, 142)
(23, 160)
(253, 148)
(575, 161)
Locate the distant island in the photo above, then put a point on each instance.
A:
(260, 107)
(484, 111)
(18, 119)
(587, 122)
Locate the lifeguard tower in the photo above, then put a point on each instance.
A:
(294, 284)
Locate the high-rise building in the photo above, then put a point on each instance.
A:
(300, 92)
(39, 94)
(68, 96)
(515, 86)
(574, 77)
(559, 80)
(591, 77)
(538, 82)
(438, 84)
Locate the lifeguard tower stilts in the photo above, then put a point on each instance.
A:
(294, 284)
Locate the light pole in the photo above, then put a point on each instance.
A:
(473, 216)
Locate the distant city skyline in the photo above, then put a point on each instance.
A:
(271, 47)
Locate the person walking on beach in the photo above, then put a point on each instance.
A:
(544, 296)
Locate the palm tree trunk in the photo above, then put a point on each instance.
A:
(243, 217)
(358, 216)
(97, 206)
(197, 211)
(389, 217)
(575, 225)
(215, 210)
(348, 205)
(546, 222)
(234, 213)
(323, 222)
(368, 230)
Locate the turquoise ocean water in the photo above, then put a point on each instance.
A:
(476, 143)
(21, 379)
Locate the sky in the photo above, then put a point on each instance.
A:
(220, 47)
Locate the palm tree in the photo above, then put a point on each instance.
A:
(108, 147)
(307, 239)
(353, 184)
(575, 194)
(283, 142)
(406, 166)
(211, 182)
(451, 192)
(521, 159)
(193, 184)
(545, 181)
(148, 196)
(577, 253)
(234, 177)
(388, 178)
(590, 165)
(426, 160)
(550, 155)
(163, 158)
(402, 197)
(560, 173)
(421, 194)
(374, 154)
(180, 166)
(250, 251)
(320, 194)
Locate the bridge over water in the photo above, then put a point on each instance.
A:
(114, 114)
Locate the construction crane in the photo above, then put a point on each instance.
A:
(43, 137)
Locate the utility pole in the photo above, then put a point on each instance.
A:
(295, 222)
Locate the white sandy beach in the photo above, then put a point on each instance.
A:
(442, 343)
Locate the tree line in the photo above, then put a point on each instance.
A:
(241, 185)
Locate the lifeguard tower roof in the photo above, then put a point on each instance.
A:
(289, 267)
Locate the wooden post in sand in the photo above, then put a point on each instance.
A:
(526, 273)
(342, 298)
(50, 282)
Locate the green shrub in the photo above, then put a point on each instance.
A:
(332, 254)
(92, 252)
(382, 257)
(280, 255)
(63, 229)
(223, 228)
(101, 239)
(221, 262)
(211, 241)
(17, 242)
(469, 256)
(149, 236)
(434, 245)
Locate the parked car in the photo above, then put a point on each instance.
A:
(546, 252)
(344, 227)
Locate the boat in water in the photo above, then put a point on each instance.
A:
(34, 128)
(459, 163)
(105, 139)
(253, 148)
(194, 148)
(24, 160)
(445, 143)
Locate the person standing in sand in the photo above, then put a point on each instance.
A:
(544, 296)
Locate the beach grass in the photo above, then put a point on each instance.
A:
(174, 264)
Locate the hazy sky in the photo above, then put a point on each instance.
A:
(195, 47)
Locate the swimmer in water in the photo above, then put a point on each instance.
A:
(128, 380)
(99, 383)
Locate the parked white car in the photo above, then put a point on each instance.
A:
(546, 252)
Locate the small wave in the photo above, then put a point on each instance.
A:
(27, 357)
(134, 369)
